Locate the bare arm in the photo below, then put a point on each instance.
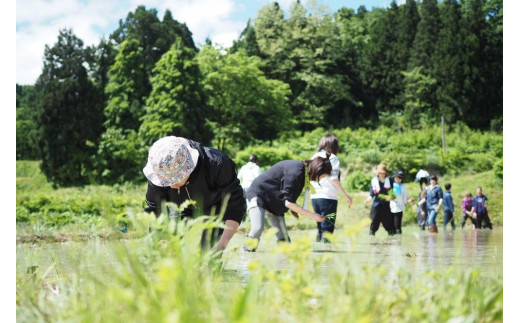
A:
(338, 186)
(298, 209)
(229, 231)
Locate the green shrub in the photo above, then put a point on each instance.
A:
(358, 181)
(267, 156)
(498, 169)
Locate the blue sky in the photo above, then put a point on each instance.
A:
(38, 21)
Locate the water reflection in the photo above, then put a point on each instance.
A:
(414, 249)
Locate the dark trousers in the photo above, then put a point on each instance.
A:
(326, 208)
(382, 214)
(483, 216)
(398, 218)
(464, 218)
(448, 216)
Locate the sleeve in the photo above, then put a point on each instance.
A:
(292, 186)
(372, 194)
(154, 197)
(334, 162)
(226, 182)
(440, 193)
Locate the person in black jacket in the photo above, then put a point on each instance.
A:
(275, 192)
(180, 169)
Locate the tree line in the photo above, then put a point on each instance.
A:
(94, 110)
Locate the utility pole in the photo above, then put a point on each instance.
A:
(443, 136)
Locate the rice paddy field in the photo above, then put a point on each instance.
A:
(90, 271)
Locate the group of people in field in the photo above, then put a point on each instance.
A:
(180, 169)
(389, 197)
(474, 209)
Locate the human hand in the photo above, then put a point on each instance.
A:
(349, 201)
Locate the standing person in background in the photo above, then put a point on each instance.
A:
(433, 200)
(422, 211)
(401, 198)
(380, 211)
(275, 192)
(325, 198)
(422, 177)
(180, 169)
(249, 172)
(480, 209)
(449, 209)
(468, 210)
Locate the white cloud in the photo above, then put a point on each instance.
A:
(39, 21)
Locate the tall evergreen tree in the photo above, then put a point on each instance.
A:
(423, 49)
(119, 145)
(426, 36)
(27, 127)
(177, 104)
(447, 63)
(71, 115)
(482, 66)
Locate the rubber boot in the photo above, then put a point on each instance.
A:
(398, 231)
(433, 228)
(371, 233)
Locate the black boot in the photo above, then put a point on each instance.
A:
(371, 233)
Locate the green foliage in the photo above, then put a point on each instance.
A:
(267, 156)
(71, 112)
(165, 277)
(234, 83)
(177, 103)
(27, 128)
(358, 181)
(498, 169)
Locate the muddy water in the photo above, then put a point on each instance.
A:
(417, 250)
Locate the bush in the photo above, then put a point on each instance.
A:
(498, 169)
(267, 156)
(358, 181)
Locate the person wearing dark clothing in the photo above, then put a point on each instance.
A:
(380, 211)
(422, 211)
(180, 169)
(275, 192)
(467, 210)
(448, 207)
(480, 209)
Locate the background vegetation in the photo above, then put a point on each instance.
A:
(95, 110)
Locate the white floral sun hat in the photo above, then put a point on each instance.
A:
(170, 160)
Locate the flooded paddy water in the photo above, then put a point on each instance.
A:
(417, 251)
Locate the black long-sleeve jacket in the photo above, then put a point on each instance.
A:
(284, 181)
(214, 176)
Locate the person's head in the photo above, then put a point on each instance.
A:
(479, 190)
(317, 167)
(329, 143)
(469, 196)
(171, 160)
(399, 176)
(447, 186)
(253, 158)
(381, 170)
(433, 180)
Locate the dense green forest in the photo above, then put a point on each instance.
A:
(94, 110)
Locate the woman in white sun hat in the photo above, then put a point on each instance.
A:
(181, 169)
